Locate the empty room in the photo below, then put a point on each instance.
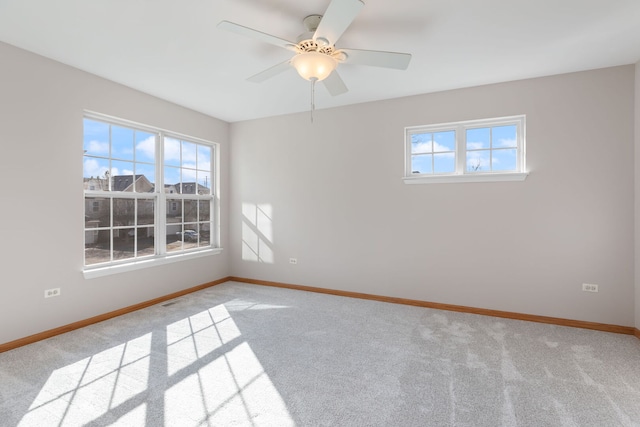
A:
(320, 213)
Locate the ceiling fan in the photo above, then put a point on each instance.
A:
(316, 56)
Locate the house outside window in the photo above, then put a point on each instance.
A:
(140, 193)
(476, 150)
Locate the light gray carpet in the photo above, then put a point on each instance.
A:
(239, 354)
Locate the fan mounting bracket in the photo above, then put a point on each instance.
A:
(311, 22)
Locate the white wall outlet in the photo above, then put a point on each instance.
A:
(50, 293)
(293, 260)
(588, 287)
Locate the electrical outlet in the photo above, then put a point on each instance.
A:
(587, 287)
(293, 260)
(50, 293)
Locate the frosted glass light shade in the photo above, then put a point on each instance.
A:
(314, 65)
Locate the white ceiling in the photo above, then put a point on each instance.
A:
(173, 50)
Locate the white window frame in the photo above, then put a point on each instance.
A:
(161, 256)
(460, 174)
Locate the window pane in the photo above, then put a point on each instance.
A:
(204, 234)
(444, 163)
(174, 210)
(121, 176)
(97, 246)
(444, 141)
(204, 181)
(123, 243)
(204, 157)
(145, 178)
(96, 138)
(146, 211)
(171, 179)
(189, 176)
(190, 210)
(504, 159)
(188, 154)
(146, 241)
(421, 164)
(204, 212)
(478, 161)
(421, 143)
(96, 172)
(504, 136)
(121, 143)
(145, 147)
(478, 138)
(97, 212)
(174, 237)
(171, 152)
(123, 212)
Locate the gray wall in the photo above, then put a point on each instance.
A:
(41, 234)
(637, 188)
(330, 194)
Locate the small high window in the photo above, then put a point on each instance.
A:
(477, 150)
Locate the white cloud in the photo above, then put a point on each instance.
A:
(171, 149)
(507, 142)
(189, 153)
(421, 147)
(147, 147)
(188, 175)
(439, 147)
(93, 168)
(476, 161)
(425, 147)
(97, 147)
(474, 145)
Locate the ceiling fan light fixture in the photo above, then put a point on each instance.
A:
(314, 65)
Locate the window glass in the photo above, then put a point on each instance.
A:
(145, 147)
(504, 160)
(421, 143)
(478, 139)
(171, 151)
(121, 143)
(422, 163)
(503, 137)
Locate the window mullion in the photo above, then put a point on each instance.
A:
(110, 228)
(161, 198)
(490, 149)
(461, 151)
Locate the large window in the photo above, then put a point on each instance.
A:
(149, 194)
(478, 150)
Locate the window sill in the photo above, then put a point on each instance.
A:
(485, 177)
(92, 273)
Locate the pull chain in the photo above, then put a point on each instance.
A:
(313, 95)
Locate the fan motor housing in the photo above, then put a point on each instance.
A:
(310, 45)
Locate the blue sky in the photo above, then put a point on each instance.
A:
(184, 161)
(487, 149)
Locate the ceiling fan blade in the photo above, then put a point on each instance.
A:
(334, 84)
(377, 58)
(270, 72)
(255, 34)
(338, 16)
